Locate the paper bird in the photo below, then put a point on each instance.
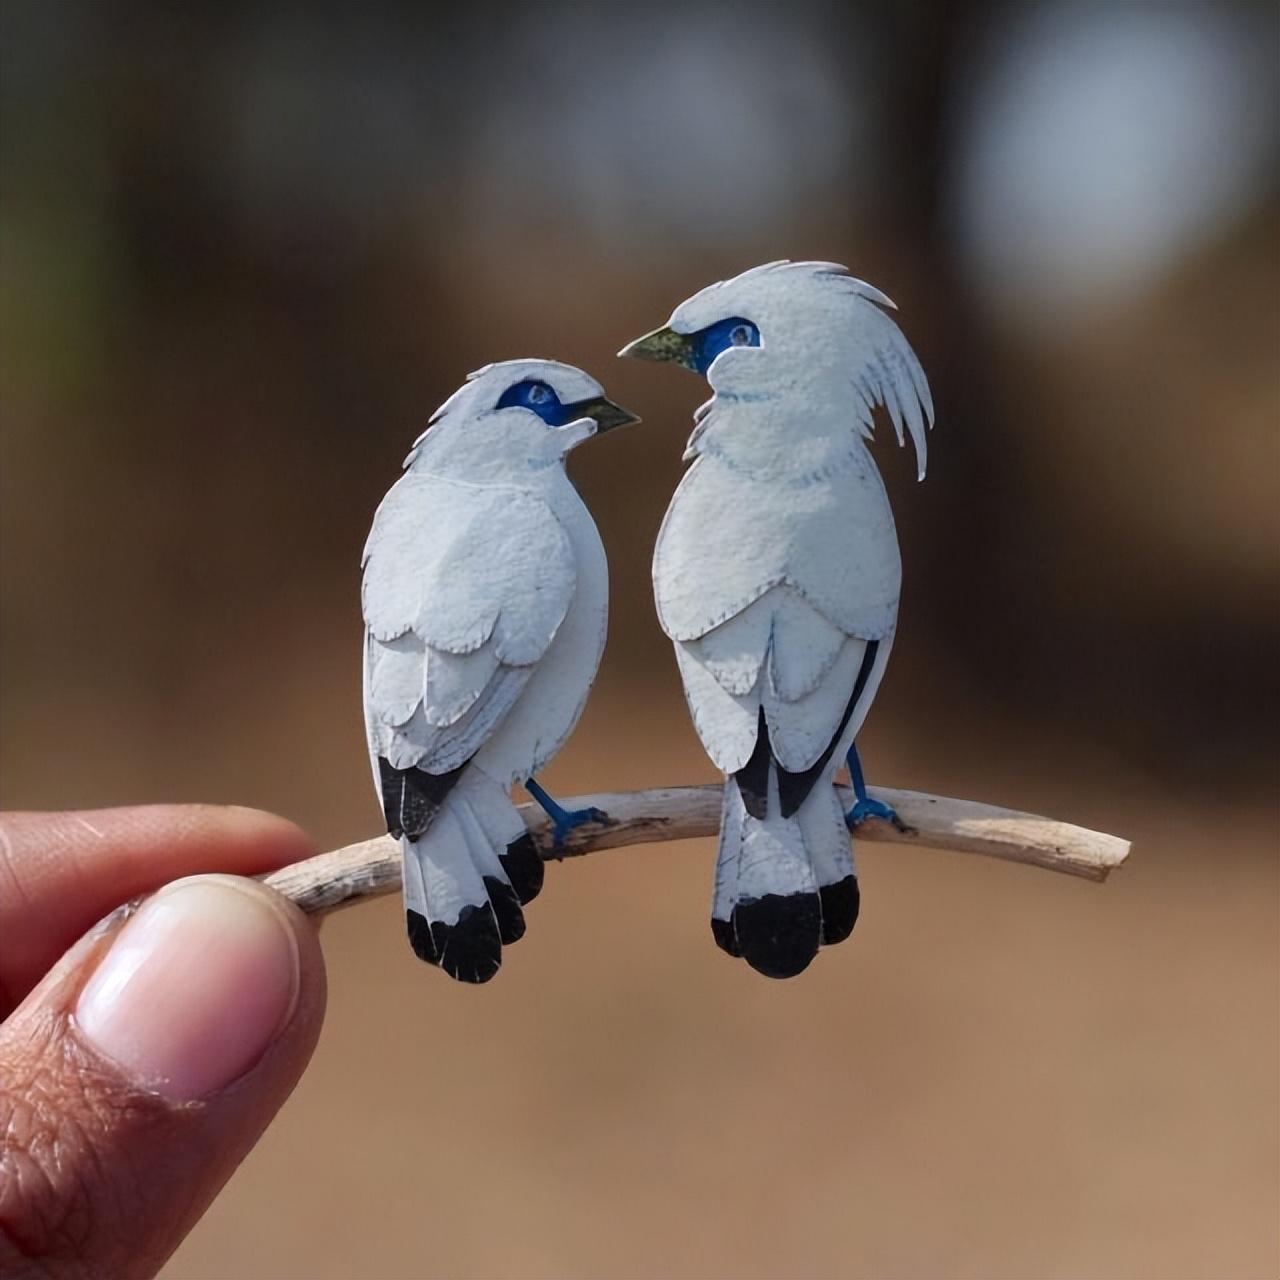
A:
(485, 600)
(777, 577)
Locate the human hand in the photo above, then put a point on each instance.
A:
(140, 1067)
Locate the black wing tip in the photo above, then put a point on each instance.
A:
(840, 903)
(506, 910)
(412, 797)
(469, 950)
(722, 932)
(753, 777)
(524, 867)
(779, 933)
(794, 788)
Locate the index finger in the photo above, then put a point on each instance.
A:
(62, 872)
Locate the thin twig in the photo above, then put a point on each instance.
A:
(372, 868)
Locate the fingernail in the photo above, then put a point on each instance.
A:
(194, 989)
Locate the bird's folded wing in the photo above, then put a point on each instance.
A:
(464, 590)
(461, 564)
(771, 595)
(779, 655)
(728, 538)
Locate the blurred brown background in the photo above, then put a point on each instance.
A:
(247, 248)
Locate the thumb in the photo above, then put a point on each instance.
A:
(141, 1071)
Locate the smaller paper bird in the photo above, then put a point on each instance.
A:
(777, 577)
(485, 606)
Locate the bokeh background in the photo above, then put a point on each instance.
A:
(247, 248)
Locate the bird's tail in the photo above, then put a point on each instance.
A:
(784, 886)
(467, 877)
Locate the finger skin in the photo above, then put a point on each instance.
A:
(100, 1176)
(61, 872)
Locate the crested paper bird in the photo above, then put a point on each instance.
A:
(777, 576)
(485, 599)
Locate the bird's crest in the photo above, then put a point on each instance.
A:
(817, 314)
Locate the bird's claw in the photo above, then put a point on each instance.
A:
(868, 808)
(571, 819)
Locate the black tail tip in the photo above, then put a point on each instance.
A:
(420, 939)
(722, 932)
(506, 910)
(469, 950)
(523, 864)
(779, 933)
(840, 902)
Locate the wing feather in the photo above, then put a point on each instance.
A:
(395, 678)
(801, 729)
(464, 590)
(728, 539)
(803, 646)
(458, 564)
(805, 669)
(725, 722)
(734, 651)
(454, 745)
(454, 682)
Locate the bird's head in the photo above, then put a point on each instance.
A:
(806, 327)
(519, 415)
(760, 322)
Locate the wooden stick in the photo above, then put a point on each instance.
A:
(372, 868)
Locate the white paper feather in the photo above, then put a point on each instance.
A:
(427, 568)
(730, 535)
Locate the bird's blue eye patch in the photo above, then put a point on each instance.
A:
(540, 399)
(708, 343)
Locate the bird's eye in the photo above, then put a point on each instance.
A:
(539, 393)
(740, 336)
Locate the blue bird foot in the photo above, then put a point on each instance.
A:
(563, 821)
(571, 818)
(865, 807)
